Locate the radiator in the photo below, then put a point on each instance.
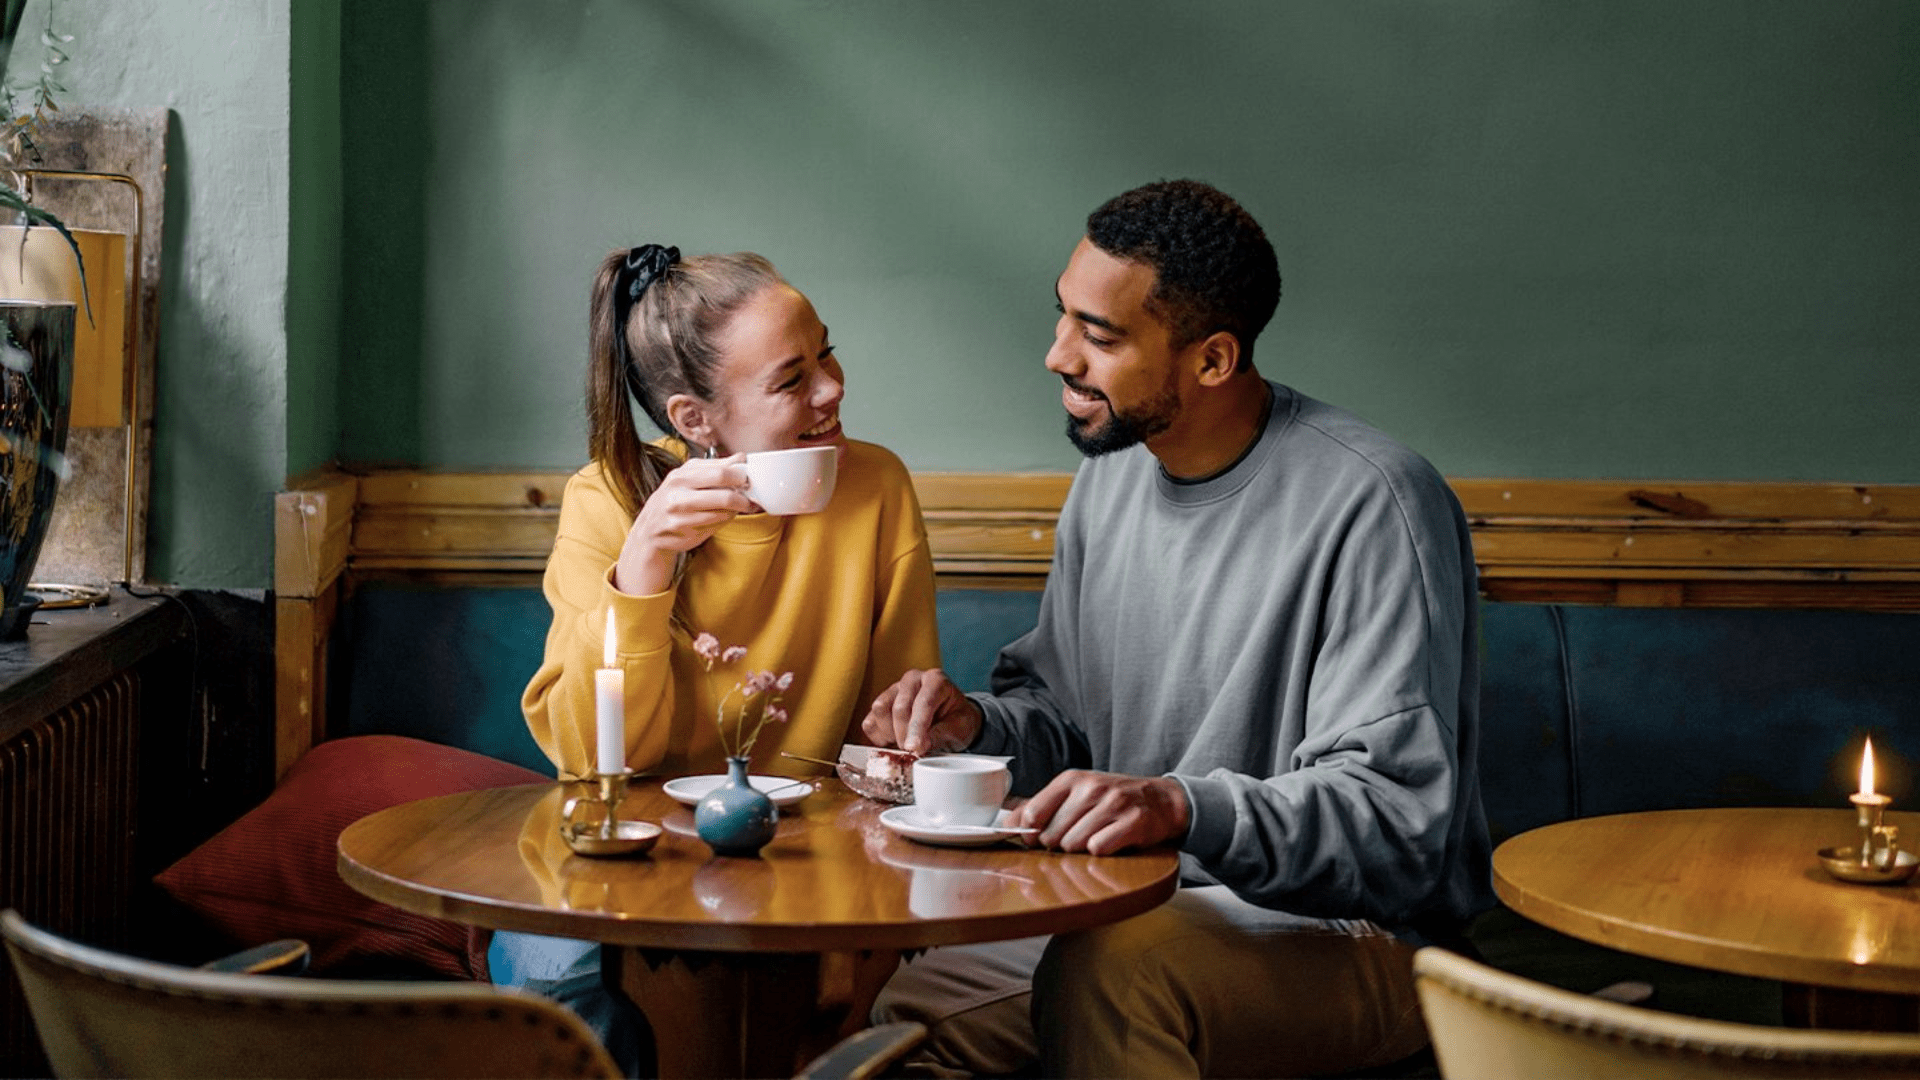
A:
(67, 796)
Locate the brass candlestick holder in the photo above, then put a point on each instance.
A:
(591, 823)
(1878, 859)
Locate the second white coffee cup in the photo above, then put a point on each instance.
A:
(960, 789)
(798, 481)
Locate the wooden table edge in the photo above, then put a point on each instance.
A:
(1692, 950)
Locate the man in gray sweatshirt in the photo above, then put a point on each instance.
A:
(1257, 643)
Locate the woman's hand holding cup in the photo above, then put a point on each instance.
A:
(691, 504)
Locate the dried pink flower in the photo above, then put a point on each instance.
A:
(707, 647)
(737, 733)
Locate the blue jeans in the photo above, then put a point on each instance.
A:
(568, 971)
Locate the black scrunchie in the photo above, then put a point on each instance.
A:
(642, 266)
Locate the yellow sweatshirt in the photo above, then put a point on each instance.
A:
(842, 598)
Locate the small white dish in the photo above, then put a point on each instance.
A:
(906, 821)
(783, 790)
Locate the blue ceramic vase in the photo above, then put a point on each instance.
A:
(735, 818)
(36, 390)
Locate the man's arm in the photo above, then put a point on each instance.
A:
(1027, 715)
(1366, 819)
(1359, 819)
(1024, 718)
(925, 713)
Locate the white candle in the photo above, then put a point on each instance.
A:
(610, 707)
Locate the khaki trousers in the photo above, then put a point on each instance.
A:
(1204, 985)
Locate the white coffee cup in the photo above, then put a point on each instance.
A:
(798, 481)
(960, 789)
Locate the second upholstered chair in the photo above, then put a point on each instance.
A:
(1488, 1024)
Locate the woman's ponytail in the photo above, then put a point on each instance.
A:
(632, 466)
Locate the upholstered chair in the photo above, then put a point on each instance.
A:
(100, 1013)
(1488, 1024)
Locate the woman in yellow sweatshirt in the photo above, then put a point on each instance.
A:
(728, 358)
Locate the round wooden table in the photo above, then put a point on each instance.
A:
(1737, 890)
(744, 966)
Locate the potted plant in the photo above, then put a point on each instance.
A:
(36, 363)
(16, 136)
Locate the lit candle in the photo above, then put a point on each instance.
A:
(610, 707)
(1874, 849)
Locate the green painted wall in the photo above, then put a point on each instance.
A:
(1630, 238)
(220, 442)
(1627, 238)
(314, 220)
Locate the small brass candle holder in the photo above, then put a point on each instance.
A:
(591, 823)
(1878, 859)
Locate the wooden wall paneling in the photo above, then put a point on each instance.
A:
(1696, 543)
(1687, 499)
(998, 528)
(312, 529)
(300, 632)
(992, 528)
(465, 522)
(1614, 542)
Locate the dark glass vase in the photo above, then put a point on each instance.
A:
(36, 387)
(736, 818)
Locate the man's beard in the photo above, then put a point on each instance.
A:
(1123, 429)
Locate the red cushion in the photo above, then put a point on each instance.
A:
(272, 874)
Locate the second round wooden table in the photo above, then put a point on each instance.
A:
(1736, 890)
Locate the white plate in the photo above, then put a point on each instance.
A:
(905, 820)
(783, 790)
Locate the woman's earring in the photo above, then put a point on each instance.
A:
(710, 450)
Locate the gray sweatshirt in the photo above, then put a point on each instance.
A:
(1293, 640)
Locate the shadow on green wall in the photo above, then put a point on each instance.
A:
(385, 83)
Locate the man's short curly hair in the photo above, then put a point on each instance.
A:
(1213, 267)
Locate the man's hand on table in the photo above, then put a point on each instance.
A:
(1105, 813)
(922, 713)
(1094, 812)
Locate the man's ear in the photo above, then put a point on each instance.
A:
(1217, 357)
(690, 419)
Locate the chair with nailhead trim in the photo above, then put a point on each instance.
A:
(100, 1013)
(1490, 1024)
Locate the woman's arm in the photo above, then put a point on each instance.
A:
(906, 634)
(558, 703)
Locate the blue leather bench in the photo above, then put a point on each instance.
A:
(448, 664)
(1586, 710)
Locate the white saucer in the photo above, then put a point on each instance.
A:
(783, 790)
(905, 820)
